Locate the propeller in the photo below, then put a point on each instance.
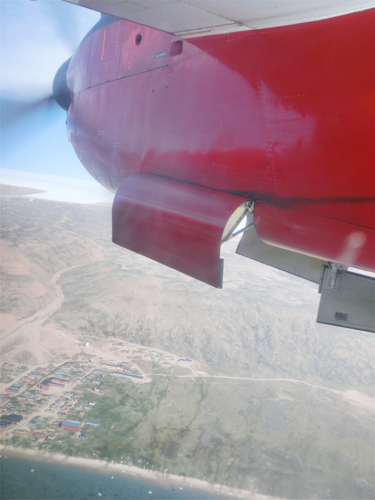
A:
(65, 22)
(36, 36)
(12, 111)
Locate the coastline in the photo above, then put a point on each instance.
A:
(167, 479)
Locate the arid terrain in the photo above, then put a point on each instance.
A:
(271, 402)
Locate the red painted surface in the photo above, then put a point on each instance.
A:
(72, 428)
(172, 222)
(315, 235)
(282, 115)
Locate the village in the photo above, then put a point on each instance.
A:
(40, 404)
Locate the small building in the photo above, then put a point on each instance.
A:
(14, 388)
(128, 375)
(91, 424)
(71, 425)
(8, 420)
(38, 434)
(47, 382)
(43, 387)
(36, 420)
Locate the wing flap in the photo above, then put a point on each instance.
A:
(348, 300)
(304, 266)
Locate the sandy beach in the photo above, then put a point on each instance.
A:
(169, 480)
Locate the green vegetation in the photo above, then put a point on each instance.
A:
(223, 431)
(293, 432)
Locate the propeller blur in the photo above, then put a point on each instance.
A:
(36, 38)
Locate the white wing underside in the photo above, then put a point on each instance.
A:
(187, 18)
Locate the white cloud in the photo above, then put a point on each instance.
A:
(58, 188)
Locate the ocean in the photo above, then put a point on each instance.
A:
(27, 479)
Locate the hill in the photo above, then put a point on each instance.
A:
(282, 405)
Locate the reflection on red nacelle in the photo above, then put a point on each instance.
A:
(281, 116)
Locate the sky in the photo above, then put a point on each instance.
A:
(36, 38)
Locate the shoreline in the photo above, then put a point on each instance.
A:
(133, 472)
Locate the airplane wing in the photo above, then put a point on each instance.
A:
(187, 18)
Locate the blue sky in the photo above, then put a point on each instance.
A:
(36, 38)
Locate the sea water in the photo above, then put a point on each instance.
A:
(26, 479)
